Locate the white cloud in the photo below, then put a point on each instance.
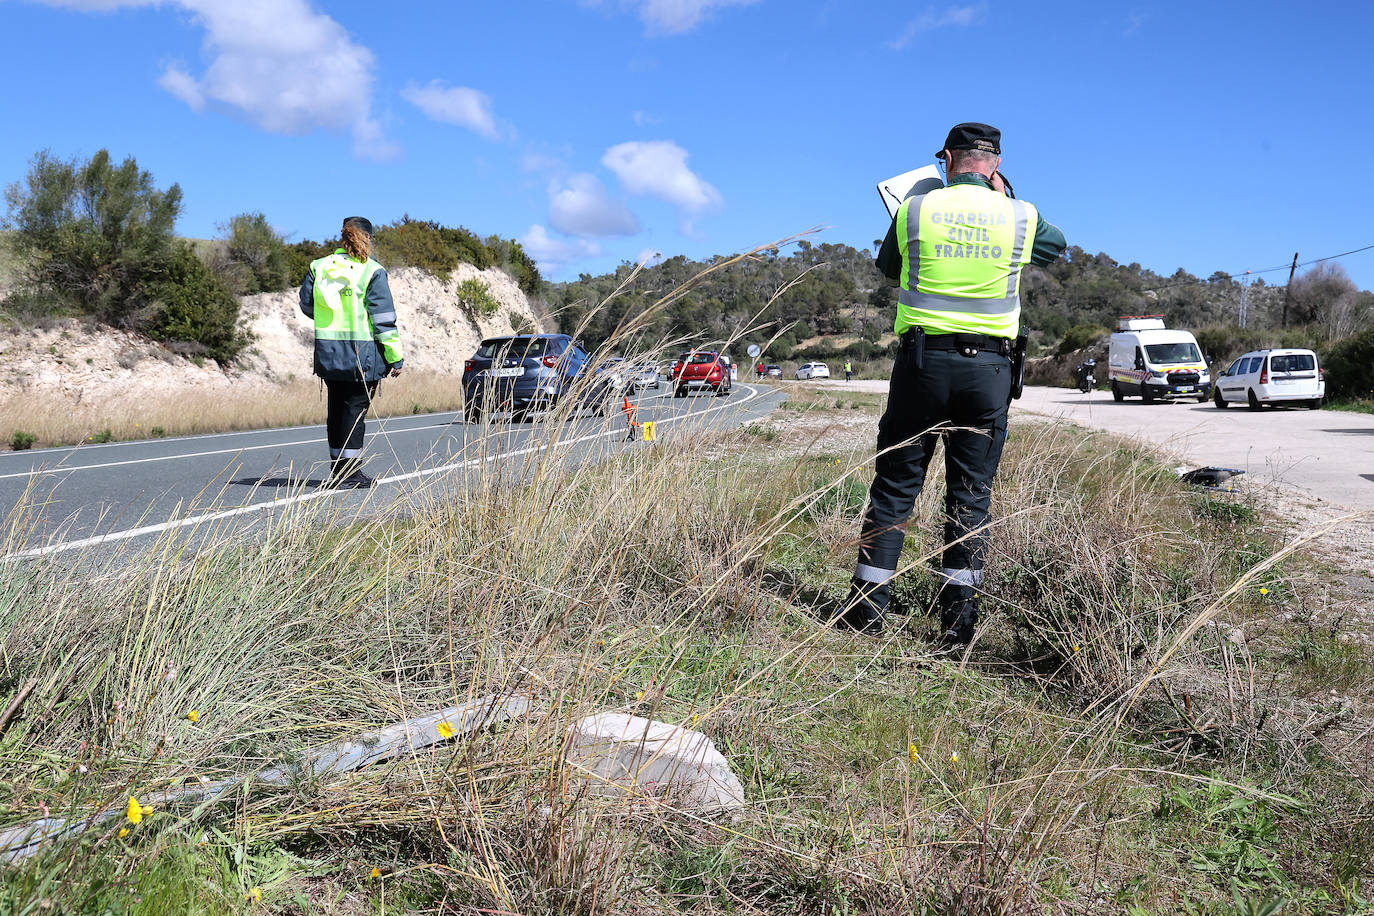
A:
(458, 105)
(643, 118)
(580, 206)
(551, 253)
(658, 168)
(674, 17)
(649, 257)
(278, 64)
(957, 17)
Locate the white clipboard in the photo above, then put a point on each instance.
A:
(908, 184)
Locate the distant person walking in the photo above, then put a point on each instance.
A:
(758, 370)
(848, 370)
(356, 343)
(956, 253)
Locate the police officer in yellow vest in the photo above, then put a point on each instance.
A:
(356, 342)
(957, 254)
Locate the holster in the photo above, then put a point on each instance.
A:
(915, 340)
(1018, 366)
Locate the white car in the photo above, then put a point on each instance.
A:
(1272, 377)
(813, 370)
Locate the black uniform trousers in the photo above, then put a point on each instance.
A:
(345, 426)
(968, 397)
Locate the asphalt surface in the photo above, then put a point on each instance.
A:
(59, 500)
(1324, 454)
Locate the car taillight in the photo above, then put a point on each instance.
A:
(1321, 374)
(468, 366)
(550, 361)
(1264, 375)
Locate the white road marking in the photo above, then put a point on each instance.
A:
(59, 469)
(130, 533)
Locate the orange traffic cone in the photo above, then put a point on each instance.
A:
(629, 410)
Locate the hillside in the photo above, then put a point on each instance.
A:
(838, 293)
(66, 372)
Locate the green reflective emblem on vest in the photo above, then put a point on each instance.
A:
(963, 248)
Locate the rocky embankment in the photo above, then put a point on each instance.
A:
(68, 360)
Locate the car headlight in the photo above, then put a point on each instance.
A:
(1156, 374)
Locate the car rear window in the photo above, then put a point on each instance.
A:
(697, 359)
(1181, 352)
(533, 347)
(1292, 362)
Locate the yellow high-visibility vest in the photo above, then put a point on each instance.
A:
(963, 248)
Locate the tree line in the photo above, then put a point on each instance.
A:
(829, 301)
(96, 238)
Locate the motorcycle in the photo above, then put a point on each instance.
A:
(1084, 375)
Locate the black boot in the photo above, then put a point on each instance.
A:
(958, 614)
(347, 474)
(865, 607)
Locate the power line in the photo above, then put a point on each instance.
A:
(1251, 273)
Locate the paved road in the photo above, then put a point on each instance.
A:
(104, 494)
(1326, 453)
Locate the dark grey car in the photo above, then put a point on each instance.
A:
(528, 372)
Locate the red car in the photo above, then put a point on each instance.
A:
(701, 369)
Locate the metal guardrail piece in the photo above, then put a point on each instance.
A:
(337, 757)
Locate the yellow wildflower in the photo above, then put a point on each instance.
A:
(254, 894)
(134, 812)
(194, 716)
(445, 730)
(123, 832)
(954, 757)
(1264, 591)
(695, 719)
(912, 753)
(1075, 650)
(376, 872)
(639, 695)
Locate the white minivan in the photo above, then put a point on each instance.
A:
(1272, 377)
(1158, 363)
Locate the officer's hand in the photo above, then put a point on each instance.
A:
(395, 372)
(998, 184)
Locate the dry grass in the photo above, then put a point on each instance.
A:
(58, 420)
(1104, 749)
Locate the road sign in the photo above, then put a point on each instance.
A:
(754, 350)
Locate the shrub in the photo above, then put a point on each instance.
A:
(192, 307)
(477, 298)
(259, 253)
(92, 231)
(22, 440)
(1080, 336)
(416, 243)
(1350, 366)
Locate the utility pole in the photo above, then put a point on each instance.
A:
(1288, 290)
(1244, 301)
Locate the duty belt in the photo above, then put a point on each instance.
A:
(967, 344)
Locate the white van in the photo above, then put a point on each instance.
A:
(1149, 360)
(1272, 377)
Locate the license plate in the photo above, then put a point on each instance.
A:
(1185, 388)
(695, 384)
(506, 373)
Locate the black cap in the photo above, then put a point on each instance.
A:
(359, 222)
(973, 135)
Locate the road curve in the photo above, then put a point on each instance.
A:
(59, 500)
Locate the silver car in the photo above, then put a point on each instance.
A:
(644, 376)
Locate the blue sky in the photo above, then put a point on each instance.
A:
(1207, 136)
